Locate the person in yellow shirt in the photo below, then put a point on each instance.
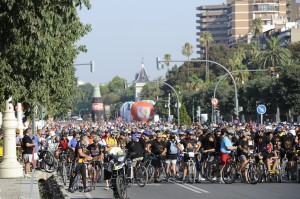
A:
(111, 141)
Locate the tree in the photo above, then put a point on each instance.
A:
(37, 52)
(295, 50)
(257, 27)
(205, 40)
(273, 55)
(167, 59)
(117, 85)
(185, 119)
(187, 50)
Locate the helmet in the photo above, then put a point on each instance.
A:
(190, 132)
(278, 129)
(146, 132)
(96, 139)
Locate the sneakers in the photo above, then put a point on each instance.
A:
(27, 176)
(221, 181)
(201, 179)
(88, 189)
(106, 188)
(71, 190)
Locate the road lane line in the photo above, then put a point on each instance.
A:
(88, 195)
(197, 188)
(186, 187)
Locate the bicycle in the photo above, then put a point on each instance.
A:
(137, 174)
(149, 167)
(62, 166)
(191, 166)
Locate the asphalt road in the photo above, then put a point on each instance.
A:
(203, 190)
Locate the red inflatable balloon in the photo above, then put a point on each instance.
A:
(142, 111)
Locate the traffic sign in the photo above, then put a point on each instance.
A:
(261, 109)
(214, 101)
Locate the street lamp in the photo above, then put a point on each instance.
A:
(91, 64)
(178, 103)
(236, 71)
(233, 80)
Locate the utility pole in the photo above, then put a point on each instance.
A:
(193, 111)
(169, 103)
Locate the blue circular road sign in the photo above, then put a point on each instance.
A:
(261, 109)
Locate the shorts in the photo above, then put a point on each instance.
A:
(168, 161)
(224, 157)
(27, 158)
(242, 158)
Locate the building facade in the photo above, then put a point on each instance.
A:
(140, 80)
(212, 18)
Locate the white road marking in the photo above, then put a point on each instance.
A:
(88, 195)
(197, 188)
(186, 187)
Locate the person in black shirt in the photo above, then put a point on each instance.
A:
(158, 148)
(27, 145)
(190, 145)
(80, 167)
(261, 142)
(135, 147)
(287, 147)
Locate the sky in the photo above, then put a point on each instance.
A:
(125, 32)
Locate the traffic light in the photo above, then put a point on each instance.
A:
(92, 66)
(272, 70)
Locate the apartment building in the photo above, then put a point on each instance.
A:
(212, 18)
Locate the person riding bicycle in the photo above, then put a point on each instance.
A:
(242, 152)
(158, 148)
(270, 157)
(134, 147)
(173, 147)
(80, 156)
(190, 144)
(288, 143)
(226, 148)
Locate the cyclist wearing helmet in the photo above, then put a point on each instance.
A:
(261, 141)
(145, 141)
(190, 144)
(80, 155)
(123, 140)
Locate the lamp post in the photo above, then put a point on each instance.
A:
(178, 103)
(235, 71)
(233, 80)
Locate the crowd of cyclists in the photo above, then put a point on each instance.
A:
(171, 146)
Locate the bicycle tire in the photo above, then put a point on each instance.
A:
(49, 158)
(150, 171)
(212, 171)
(141, 176)
(121, 187)
(64, 174)
(253, 173)
(192, 173)
(92, 176)
(229, 173)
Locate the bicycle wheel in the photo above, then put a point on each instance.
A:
(141, 176)
(64, 173)
(121, 187)
(253, 173)
(212, 171)
(92, 176)
(150, 171)
(49, 158)
(229, 173)
(192, 173)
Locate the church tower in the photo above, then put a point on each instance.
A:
(140, 80)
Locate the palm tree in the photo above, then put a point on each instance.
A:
(257, 27)
(205, 40)
(273, 55)
(187, 50)
(167, 59)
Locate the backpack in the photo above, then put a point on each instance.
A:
(173, 148)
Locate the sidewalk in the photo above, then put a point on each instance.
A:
(20, 188)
